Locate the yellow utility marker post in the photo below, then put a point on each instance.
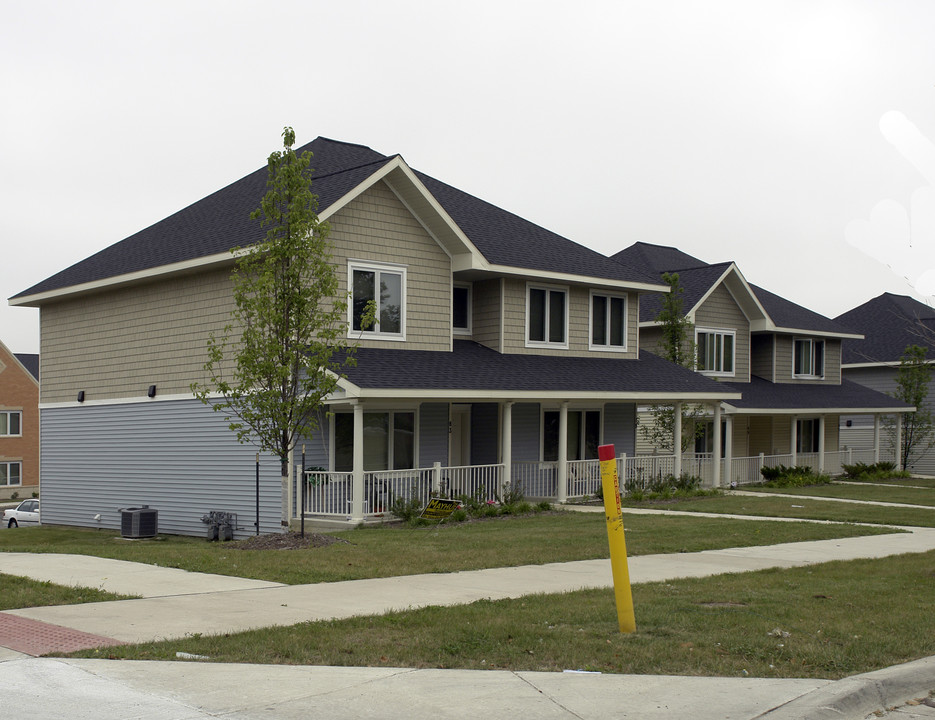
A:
(618, 545)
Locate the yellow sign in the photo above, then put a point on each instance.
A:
(439, 509)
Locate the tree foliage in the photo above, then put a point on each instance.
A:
(912, 387)
(677, 346)
(283, 350)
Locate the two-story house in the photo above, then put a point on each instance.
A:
(889, 323)
(19, 423)
(784, 359)
(503, 353)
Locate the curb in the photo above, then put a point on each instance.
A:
(857, 696)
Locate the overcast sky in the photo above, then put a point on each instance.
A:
(790, 137)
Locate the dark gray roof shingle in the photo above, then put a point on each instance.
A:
(30, 362)
(760, 394)
(889, 323)
(471, 366)
(221, 221)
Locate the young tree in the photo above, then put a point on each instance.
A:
(274, 362)
(912, 387)
(677, 346)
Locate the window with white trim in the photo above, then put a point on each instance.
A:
(808, 360)
(11, 473)
(704, 439)
(11, 422)
(546, 316)
(583, 433)
(389, 441)
(384, 285)
(715, 351)
(608, 322)
(806, 435)
(461, 308)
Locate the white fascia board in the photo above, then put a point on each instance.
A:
(576, 279)
(880, 364)
(816, 333)
(816, 411)
(441, 395)
(179, 268)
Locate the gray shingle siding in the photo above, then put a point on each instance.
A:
(178, 457)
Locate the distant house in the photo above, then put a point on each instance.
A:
(503, 353)
(19, 424)
(889, 323)
(784, 360)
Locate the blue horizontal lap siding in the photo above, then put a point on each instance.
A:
(620, 427)
(178, 457)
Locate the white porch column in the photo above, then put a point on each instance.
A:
(899, 442)
(506, 443)
(728, 448)
(677, 439)
(794, 439)
(562, 489)
(716, 474)
(357, 504)
(876, 437)
(821, 443)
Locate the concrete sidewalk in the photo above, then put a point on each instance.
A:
(175, 604)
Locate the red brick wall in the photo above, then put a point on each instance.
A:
(20, 391)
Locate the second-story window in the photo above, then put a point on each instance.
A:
(608, 322)
(384, 285)
(461, 309)
(715, 351)
(546, 316)
(809, 358)
(11, 422)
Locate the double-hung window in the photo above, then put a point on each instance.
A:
(809, 358)
(385, 286)
(546, 316)
(583, 433)
(11, 422)
(608, 322)
(461, 309)
(715, 351)
(389, 441)
(11, 473)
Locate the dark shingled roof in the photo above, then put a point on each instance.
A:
(890, 323)
(760, 394)
(471, 366)
(697, 277)
(221, 221)
(30, 362)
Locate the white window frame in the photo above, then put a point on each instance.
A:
(800, 435)
(811, 374)
(548, 289)
(374, 331)
(721, 333)
(8, 465)
(607, 346)
(391, 429)
(582, 428)
(470, 310)
(9, 414)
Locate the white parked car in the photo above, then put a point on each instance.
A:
(26, 513)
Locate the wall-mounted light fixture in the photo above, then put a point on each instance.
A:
(151, 392)
(81, 396)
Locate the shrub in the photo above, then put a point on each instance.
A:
(873, 471)
(798, 476)
(14, 496)
(664, 487)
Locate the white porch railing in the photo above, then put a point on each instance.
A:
(331, 494)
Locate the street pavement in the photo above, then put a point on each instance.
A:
(175, 603)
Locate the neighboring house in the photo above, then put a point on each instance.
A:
(785, 360)
(504, 354)
(19, 424)
(889, 324)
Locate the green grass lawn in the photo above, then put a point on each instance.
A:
(828, 621)
(876, 493)
(386, 551)
(798, 508)
(924, 482)
(20, 592)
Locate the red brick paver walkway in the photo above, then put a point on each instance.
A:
(38, 638)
